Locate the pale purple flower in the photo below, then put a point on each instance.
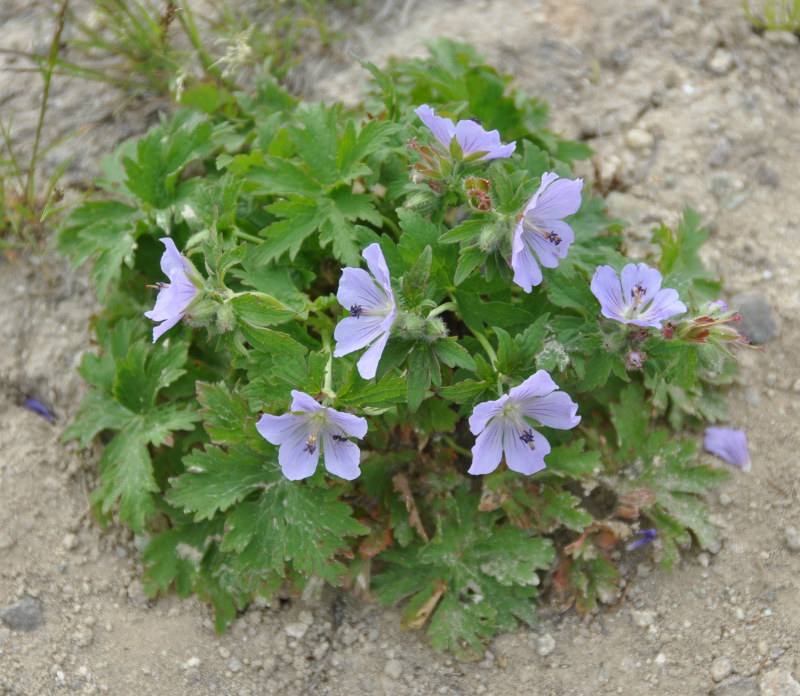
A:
(173, 297)
(719, 304)
(370, 301)
(504, 425)
(310, 429)
(470, 135)
(541, 233)
(638, 299)
(645, 537)
(730, 444)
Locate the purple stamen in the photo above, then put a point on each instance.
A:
(356, 311)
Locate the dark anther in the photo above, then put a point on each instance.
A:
(527, 438)
(356, 311)
(553, 238)
(339, 438)
(311, 445)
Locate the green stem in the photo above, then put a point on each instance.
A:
(391, 224)
(450, 442)
(47, 75)
(446, 307)
(486, 346)
(248, 237)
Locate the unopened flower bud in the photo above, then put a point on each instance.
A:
(634, 359)
(226, 318)
(422, 202)
(493, 236)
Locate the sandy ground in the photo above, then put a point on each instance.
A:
(683, 104)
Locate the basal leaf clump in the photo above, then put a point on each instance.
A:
(486, 410)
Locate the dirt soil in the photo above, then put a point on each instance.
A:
(684, 104)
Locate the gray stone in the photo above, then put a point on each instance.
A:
(767, 176)
(792, 538)
(736, 686)
(779, 682)
(721, 668)
(720, 153)
(620, 58)
(758, 319)
(25, 615)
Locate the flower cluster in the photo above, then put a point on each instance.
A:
(505, 427)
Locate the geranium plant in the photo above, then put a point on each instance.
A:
(494, 409)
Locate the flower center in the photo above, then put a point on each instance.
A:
(527, 438)
(547, 235)
(356, 311)
(638, 292)
(311, 444)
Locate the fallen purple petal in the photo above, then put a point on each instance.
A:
(729, 444)
(38, 407)
(646, 536)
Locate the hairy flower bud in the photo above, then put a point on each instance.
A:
(494, 236)
(226, 318)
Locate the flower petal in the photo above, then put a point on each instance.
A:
(368, 363)
(730, 444)
(356, 287)
(377, 266)
(547, 179)
(520, 457)
(488, 450)
(276, 429)
(526, 270)
(556, 410)
(560, 198)
(164, 326)
(664, 305)
(342, 457)
(607, 289)
(442, 128)
(298, 458)
(537, 385)
(303, 402)
(352, 334)
(483, 412)
(171, 259)
(354, 426)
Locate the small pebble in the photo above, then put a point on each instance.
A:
(638, 139)
(643, 619)
(70, 542)
(792, 538)
(779, 682)
(545, 645)
(393, 668)
(720, 668)
(721, 61)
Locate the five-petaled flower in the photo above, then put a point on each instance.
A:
(638, 299)
(541, 230)
(173, 297)
(504, 425)
(310, 429)
(730, 444)
(372, 308)
(475, 141)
